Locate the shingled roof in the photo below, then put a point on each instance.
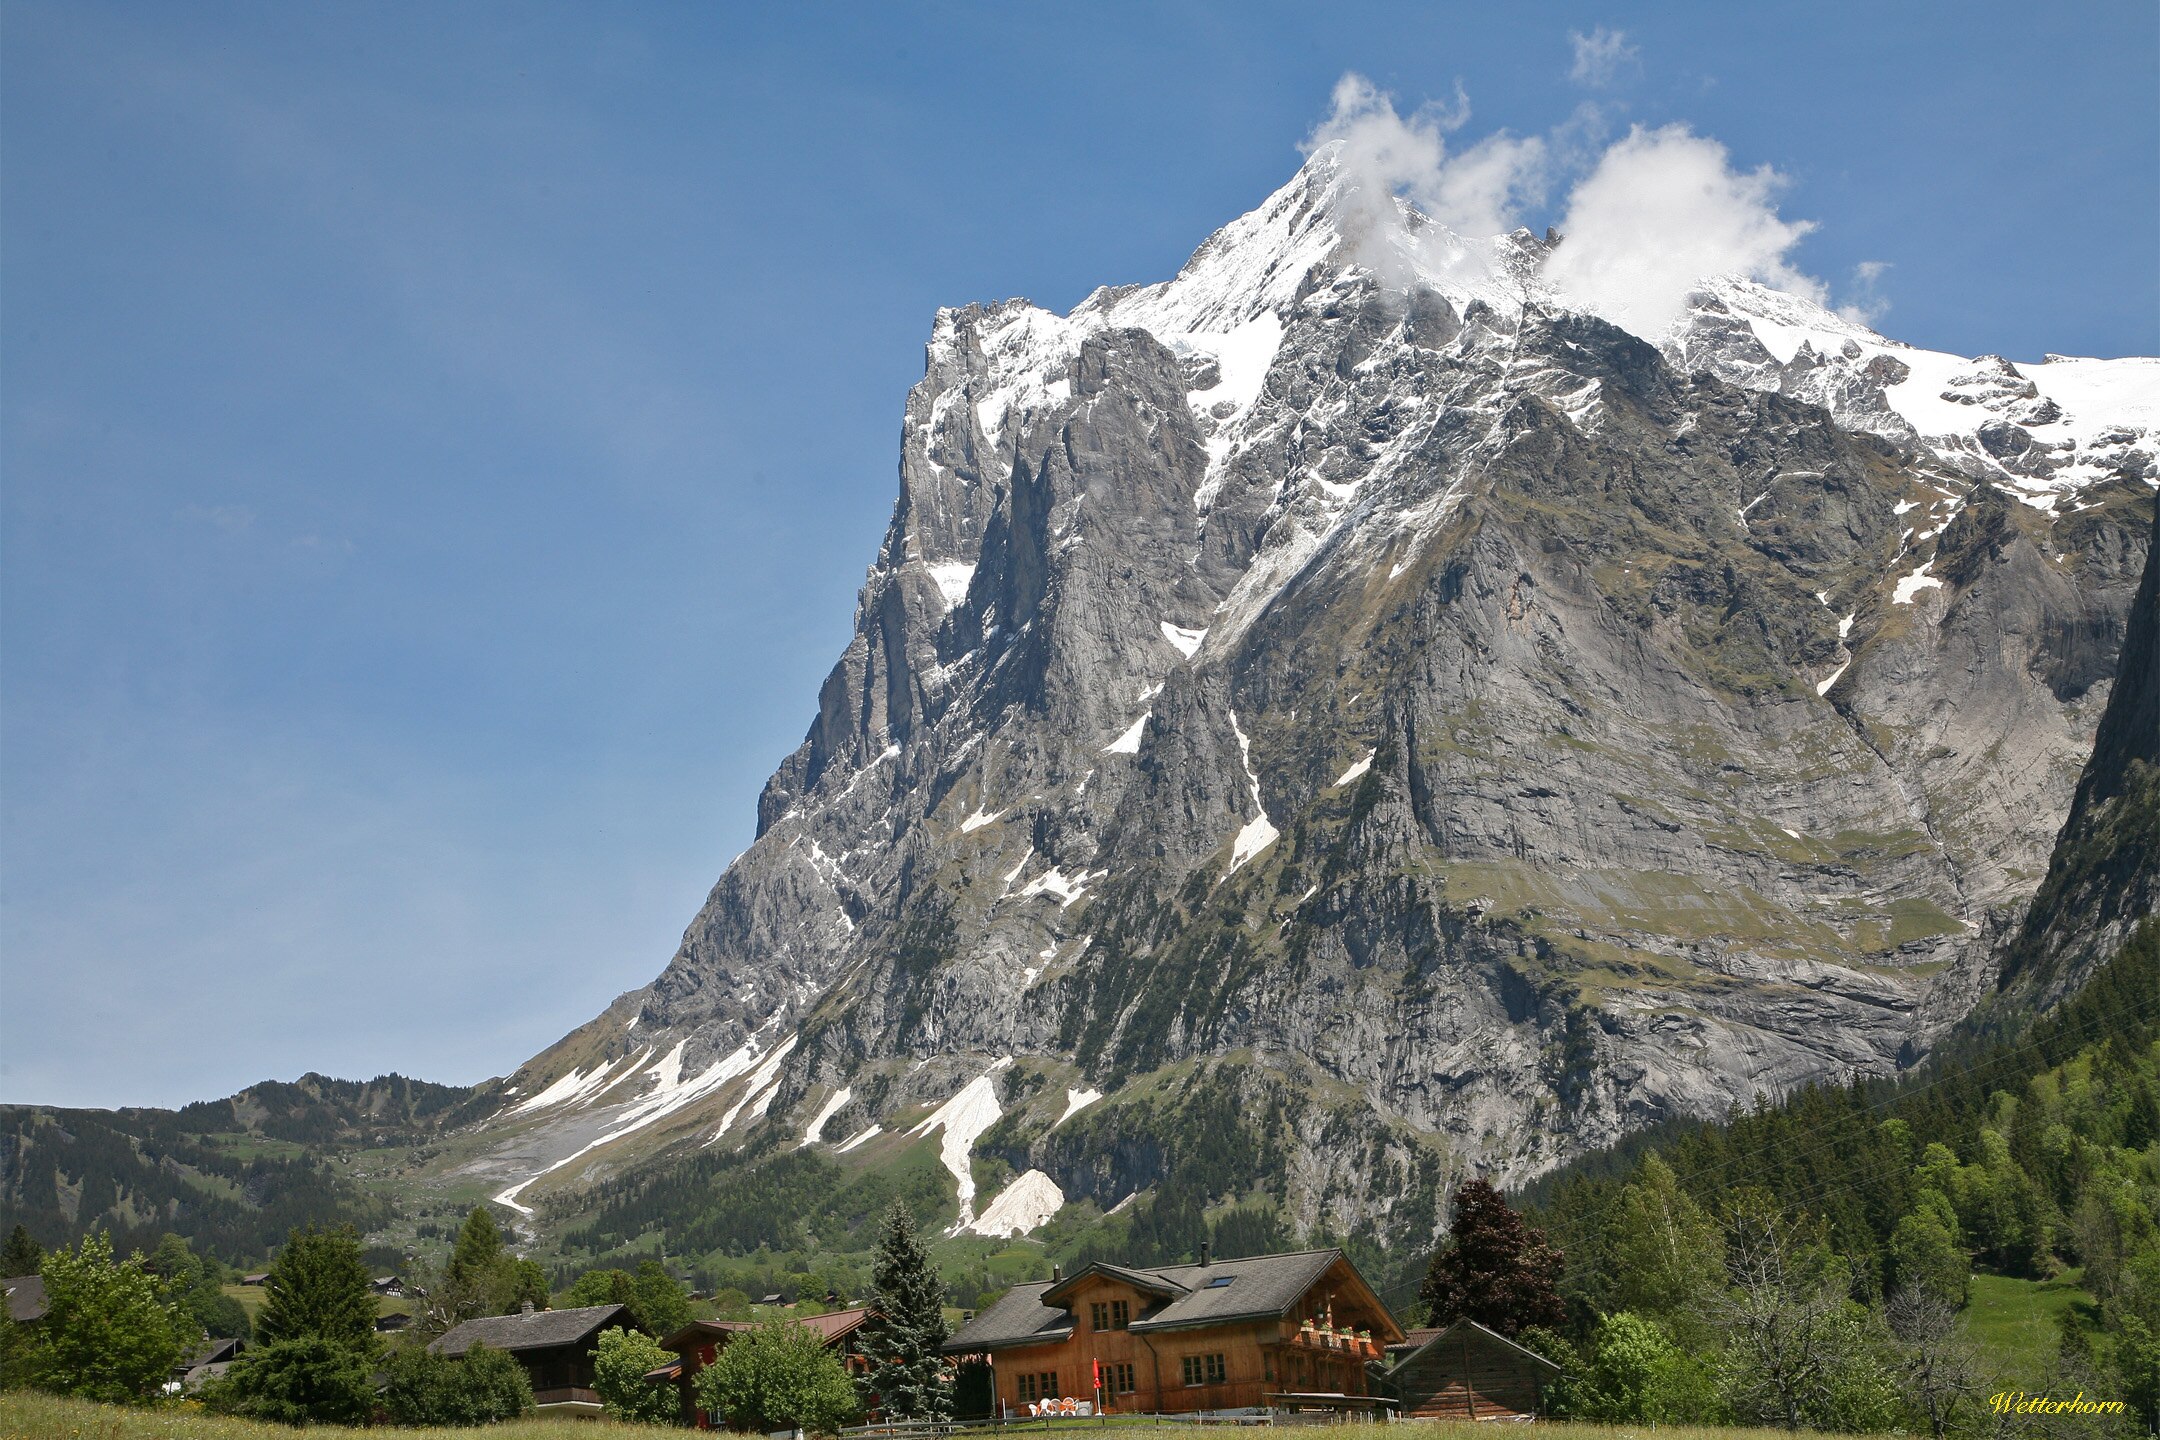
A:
(831, 1326)
(25, 1298)
(535, 1330)
(1252, 1288)
(1018, 1318)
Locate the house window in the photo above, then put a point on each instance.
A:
(1038, 1385)
(1120, 1314)
(1204, 1369)
(1098, 1316)
(1121, 1379)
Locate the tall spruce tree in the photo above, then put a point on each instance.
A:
(318, 1288)
(908, 1378)
(1494, 1269)
(478, 1254)
(22, 1255)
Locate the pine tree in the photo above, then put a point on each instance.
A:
(1495, 1269)
(478, 1254)
(318, 1288)
(22, 1255)
(908, 1377)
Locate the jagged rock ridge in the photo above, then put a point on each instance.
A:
(1452, 728)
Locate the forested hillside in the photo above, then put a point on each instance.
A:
(233, 1175)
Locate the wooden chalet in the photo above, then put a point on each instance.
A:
(1464, 1371)
(1296, 1331)
(556, 1347)
(700, 1342)
(206, 1362)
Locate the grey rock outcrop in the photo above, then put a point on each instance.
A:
(1456, 729)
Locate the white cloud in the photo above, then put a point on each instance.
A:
(1649, 217)
(1662, 210)
(1600, 56)
(1475, 192)
(1866, 305)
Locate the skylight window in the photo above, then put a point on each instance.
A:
(1218, 1282)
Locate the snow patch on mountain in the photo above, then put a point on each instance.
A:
(952, 578)
(758, 1091)
(1259, 832)
(1075, 1102)
(815, 1130)
(1356, 770)
(1910, 585)
(862, 1136)
(2036, 430)
(963, 1118)
(1129, 742)
(575, 1086)
(1021, 1208)
(1186, 641)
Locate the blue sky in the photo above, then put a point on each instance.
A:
(440, 444)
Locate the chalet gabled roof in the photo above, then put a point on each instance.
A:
(1440, 1337)
(698, 1332)
(1147, 1282)
(1018, 1318)
(1259, 1286)
(539, 1330)
(831, 1327)
(1255, 1287)
(25, 1298)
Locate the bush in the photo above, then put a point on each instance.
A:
(480, 1388)
(624, 1359)
(1625, 1353)
(777, 1377)
(108, 1333)
(304, 1381)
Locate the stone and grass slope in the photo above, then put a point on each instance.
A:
(1326, 734)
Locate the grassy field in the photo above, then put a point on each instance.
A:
(44, 1417)
(2013, 1323)
(251, 1299)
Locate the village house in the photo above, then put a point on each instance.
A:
(206, 1362)
(699, 1343)
(556, 1347)
(1464, 1371)
(1296, 1331)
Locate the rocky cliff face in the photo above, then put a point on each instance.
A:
(1420, 725)
(2104, 877)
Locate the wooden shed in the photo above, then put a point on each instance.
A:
(1467, 1372)
(556, 1347)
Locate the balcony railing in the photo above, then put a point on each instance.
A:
(565, 1395)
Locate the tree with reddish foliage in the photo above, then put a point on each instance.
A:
(1494, 1269)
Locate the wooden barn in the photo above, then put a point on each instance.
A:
(556, 1347)
(699, 1343)
(1467, 1372)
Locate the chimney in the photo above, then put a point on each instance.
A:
(1057, 1273)
(1204, 1248)
(528, 1308)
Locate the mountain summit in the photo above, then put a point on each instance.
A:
(1347, 710)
